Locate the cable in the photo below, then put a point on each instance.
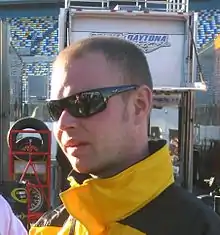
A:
(201, 76)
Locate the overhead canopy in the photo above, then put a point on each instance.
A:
(171, 96)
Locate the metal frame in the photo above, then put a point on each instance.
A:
(46, 187)
(155, 5)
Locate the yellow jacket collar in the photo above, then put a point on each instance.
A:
(99, 202)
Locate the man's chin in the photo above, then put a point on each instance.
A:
(81, 169)
(80, 177)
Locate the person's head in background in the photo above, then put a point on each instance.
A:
(101, 136)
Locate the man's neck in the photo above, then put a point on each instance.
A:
(114, 169)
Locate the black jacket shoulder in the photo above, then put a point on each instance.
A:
(175, 212)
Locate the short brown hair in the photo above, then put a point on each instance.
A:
(126, 55)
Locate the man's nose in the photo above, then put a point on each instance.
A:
(67, 121)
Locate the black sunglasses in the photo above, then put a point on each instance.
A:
(86, 103)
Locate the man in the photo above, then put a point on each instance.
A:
(9, 223)
(101, 99)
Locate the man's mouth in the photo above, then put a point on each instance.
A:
(74, 144)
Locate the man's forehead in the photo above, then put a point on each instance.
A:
(85, 73)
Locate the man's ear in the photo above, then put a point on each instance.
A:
(142, 103)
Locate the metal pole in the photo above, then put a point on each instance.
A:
(5, 100)
(190, 135)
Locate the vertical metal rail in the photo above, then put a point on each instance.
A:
(190, 108)
(5, 99)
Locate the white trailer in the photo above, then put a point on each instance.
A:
(166, 33)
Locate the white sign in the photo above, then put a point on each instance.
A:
(147, 42)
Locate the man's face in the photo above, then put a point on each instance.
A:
(98, 143)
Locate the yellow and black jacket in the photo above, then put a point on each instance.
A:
(142, 200)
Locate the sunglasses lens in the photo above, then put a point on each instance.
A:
(55, 110)
(86, 104)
